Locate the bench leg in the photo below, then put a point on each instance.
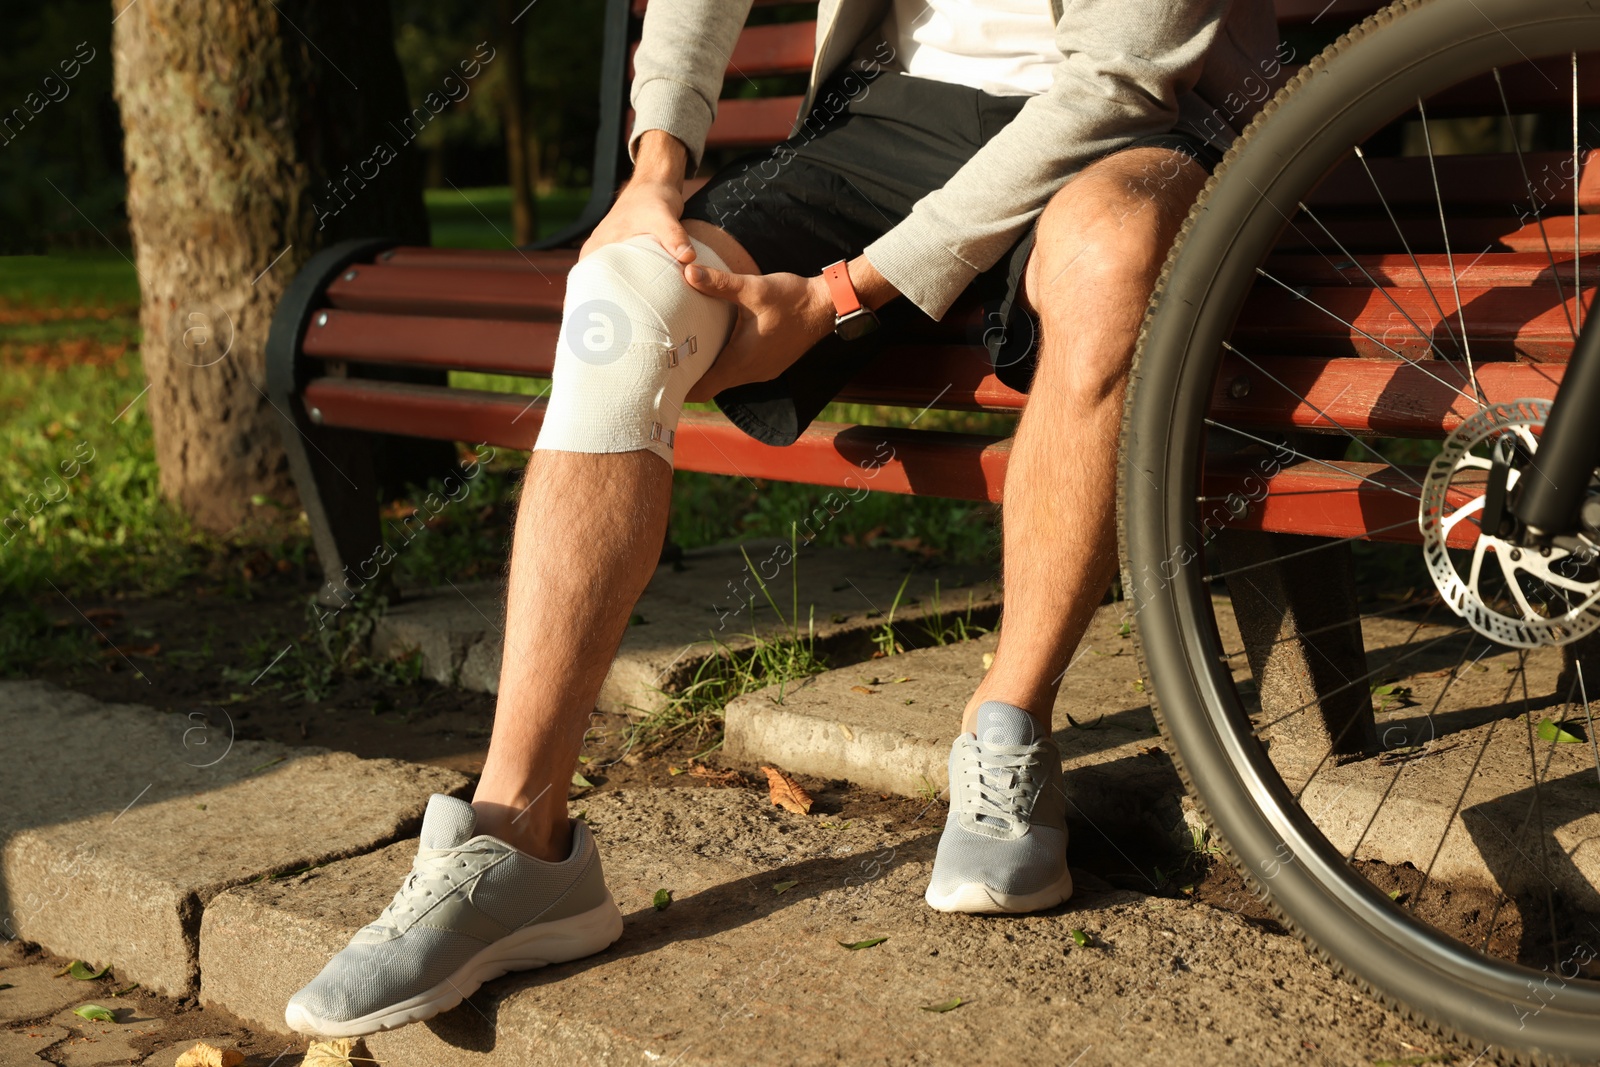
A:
(335, 473)
(1302, 636)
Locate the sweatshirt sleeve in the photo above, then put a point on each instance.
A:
(678, 69)
(1125, 64)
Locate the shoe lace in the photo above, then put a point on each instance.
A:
(430, 879)
(1001, 783)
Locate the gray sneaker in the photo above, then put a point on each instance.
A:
(472, 909)
(1004, 848)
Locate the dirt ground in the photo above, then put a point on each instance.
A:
(206, 651)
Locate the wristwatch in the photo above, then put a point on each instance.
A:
(851, 319)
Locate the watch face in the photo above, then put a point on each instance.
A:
(856, 324)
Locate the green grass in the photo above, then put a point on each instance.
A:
(81, 489)
(70, 279)
(79, 499)
(481, 218)
(694, 711)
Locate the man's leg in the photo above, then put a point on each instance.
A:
(1098, 250)
(588, 535)
(508, 883)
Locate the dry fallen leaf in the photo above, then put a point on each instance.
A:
(786, 792)
(204, 1055)
(862, 689)
(335, 1053)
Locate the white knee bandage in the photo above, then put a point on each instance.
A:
(634, 338)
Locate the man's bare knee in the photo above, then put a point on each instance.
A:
(1108, 230)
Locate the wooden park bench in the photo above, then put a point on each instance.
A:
(365, 304)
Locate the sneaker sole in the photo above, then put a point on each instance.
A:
(975, 898)
(537, 946)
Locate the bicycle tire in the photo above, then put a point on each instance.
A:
(1339, 98)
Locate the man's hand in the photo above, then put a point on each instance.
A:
(652, 201)
(780, 317)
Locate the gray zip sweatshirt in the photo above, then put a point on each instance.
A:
(1131, 68)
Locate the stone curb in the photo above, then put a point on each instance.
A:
(733, 973)
(116, 855)
(887, 725)
(711, 596)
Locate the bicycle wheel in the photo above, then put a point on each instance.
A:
(1350, 290)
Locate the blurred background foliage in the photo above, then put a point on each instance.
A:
(61, 180)
(70, 373)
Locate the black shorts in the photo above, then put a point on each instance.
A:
(830, 191)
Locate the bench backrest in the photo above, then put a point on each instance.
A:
(499, 312)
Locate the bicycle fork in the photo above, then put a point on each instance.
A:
(1548, 504)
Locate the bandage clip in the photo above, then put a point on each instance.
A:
(682, 352)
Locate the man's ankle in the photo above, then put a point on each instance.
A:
(545, 836)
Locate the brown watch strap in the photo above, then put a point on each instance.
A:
(845, 300)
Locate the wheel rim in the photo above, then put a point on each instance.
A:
(1319, 889)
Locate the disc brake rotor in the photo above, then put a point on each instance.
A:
(1523, 597)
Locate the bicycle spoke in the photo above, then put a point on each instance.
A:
(1384, 290)
(1538, 811)
(1299, 635)
(1320, 413)
(1399, 769)
(1444, 319)
(1455, 810)
(1309, 459)
(1577, 243)
(1449, 257)
(1533, 201)
(1330, 543)
(1476, 401)
(1457, 632)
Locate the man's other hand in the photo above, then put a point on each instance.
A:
(780, 317)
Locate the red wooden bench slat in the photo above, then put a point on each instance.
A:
(752, 123)
(493, 346)
(1469, 234)
(1496, 269)
(550, 261)
(1528, 267)
(1362, 396)
(956, 377)
(781, 48)
(1302, 498)
(1526, 323)
(1368, 396)
(1467, 181)
(416, 312)
(778, 48)
(925, 462)
(447, 291)
(1312, 499)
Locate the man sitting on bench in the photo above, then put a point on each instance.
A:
(1044, 153)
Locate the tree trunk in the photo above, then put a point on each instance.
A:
(255, 134)
(524, 209)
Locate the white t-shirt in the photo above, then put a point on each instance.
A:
(1003, 47)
